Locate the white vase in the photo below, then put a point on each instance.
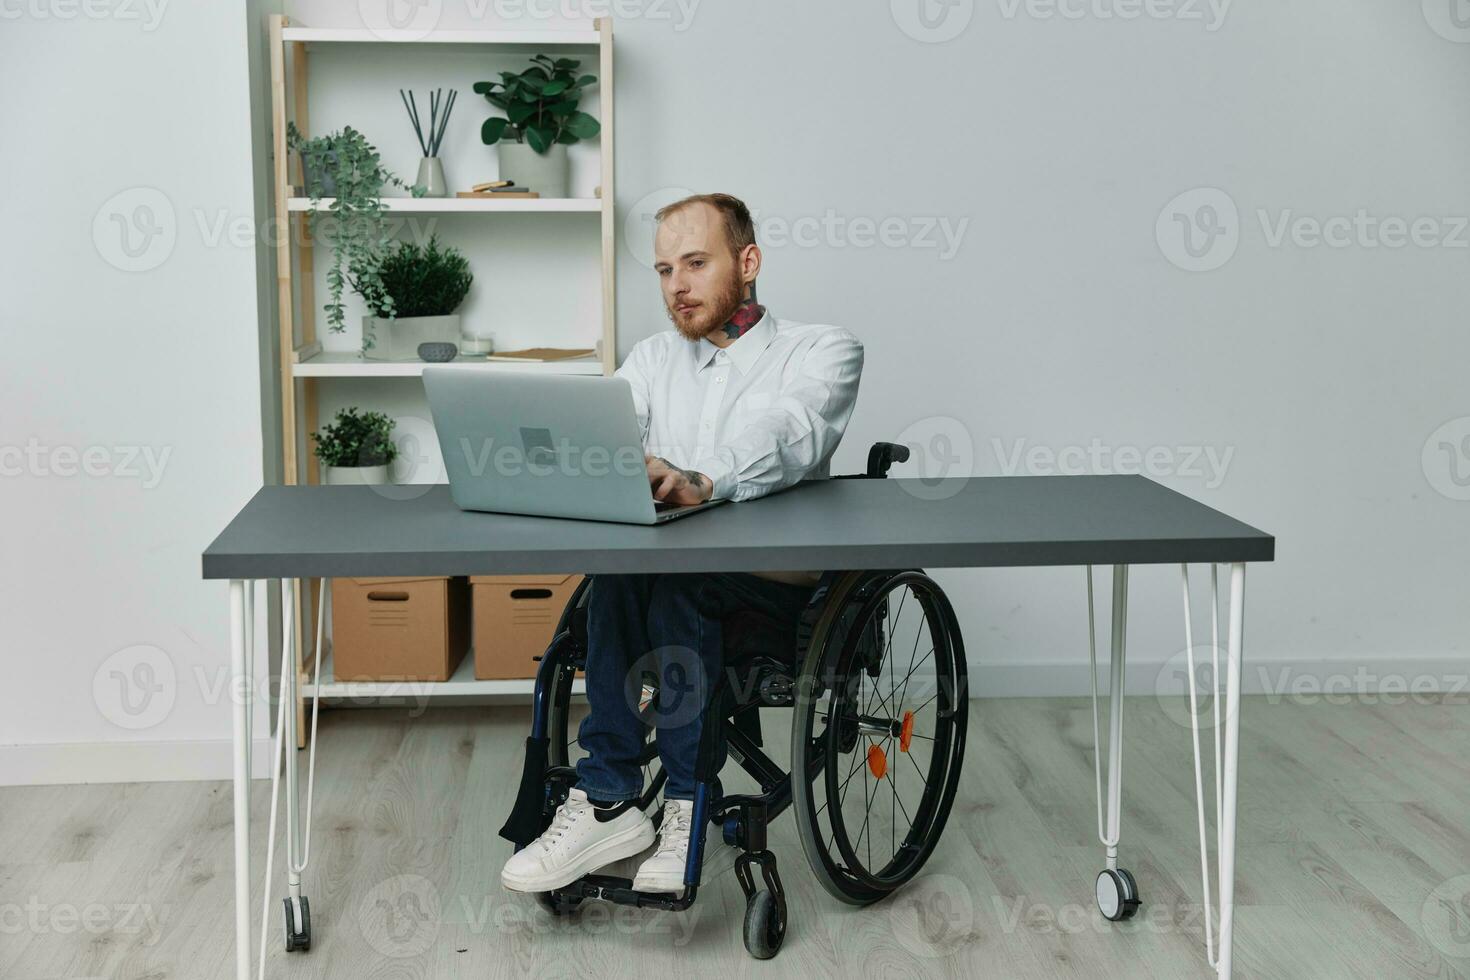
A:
(544, 173)
(399, 339)
(431, 177)
(355, 476)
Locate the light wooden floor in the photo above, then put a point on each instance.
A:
(1354, 862)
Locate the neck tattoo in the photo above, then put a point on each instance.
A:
(747, 316)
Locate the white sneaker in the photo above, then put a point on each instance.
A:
(664, 871)
(576, 843)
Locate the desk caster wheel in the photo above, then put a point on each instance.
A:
(1117, 895)
(557, 904)
(765, 925)
(298, 939)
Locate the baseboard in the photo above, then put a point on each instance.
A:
(1283, 680)
(1387, 681)
(125, 762)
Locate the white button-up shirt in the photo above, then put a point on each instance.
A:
(755, 417)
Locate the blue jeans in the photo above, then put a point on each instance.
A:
(678, 628)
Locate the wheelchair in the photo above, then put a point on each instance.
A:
(877, 742)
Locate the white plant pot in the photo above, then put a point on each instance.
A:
(399, 339)
(546, 174)
(355, 476)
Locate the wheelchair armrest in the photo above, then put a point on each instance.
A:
(882, 455)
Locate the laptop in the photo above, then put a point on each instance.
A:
(549, 446)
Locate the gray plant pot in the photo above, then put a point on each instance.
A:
(547, 175)
(355, 476)
(399, 339)
(431, 177)
(327, 175)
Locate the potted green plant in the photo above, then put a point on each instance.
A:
(345, 167)
(426, 285)
(541, 120)
(356, 449)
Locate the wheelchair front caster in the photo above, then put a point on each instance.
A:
(765, 925)
(1117, 895)
(298, 939)
(557, 904)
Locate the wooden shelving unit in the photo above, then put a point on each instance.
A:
(303, 364)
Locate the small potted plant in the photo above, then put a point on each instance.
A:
(426, 286)
(541, 120)
(345, 167)
(356, 449)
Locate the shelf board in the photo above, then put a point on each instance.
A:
(463, 682)
(336, 35)
(469, 205)
(343, 364)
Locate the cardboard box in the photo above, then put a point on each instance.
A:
(399, 629)
(515, 618)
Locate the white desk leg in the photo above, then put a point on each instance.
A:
(1117, 892)
(240, 695)
(1115, 711)
(1232, 758)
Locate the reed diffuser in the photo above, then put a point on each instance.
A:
(431, 170)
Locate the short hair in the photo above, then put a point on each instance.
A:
(739, 228)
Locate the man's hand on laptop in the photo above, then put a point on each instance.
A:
(673, 485)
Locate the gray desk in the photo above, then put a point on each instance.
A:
(325, 532)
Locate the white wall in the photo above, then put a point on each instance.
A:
(131, 415)
(1054, 315)
(1024, 305)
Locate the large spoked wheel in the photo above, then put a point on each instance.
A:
(878, 732)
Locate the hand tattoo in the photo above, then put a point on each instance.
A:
(695, 478)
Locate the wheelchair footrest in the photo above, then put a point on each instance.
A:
(620, 891)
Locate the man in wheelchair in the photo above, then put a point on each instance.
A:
(733, 404)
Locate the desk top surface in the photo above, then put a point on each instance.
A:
(315, 531)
